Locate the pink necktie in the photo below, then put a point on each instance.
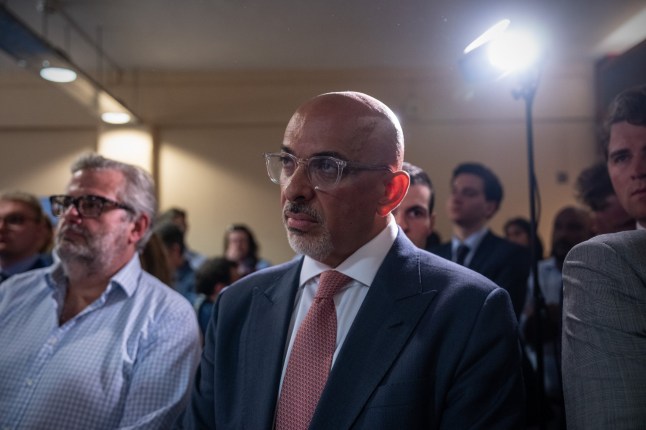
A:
(311, 357)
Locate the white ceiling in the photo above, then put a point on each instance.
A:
(198, 35)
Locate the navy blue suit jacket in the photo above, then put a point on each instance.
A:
(434, 346)
(505, 263)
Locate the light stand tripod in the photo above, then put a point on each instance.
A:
(527, 91)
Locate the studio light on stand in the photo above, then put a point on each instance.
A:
(502, 52)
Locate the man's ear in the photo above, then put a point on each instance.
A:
(139, 227)
(396, 187)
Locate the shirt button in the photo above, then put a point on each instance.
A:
(28, 382)
(52, 341)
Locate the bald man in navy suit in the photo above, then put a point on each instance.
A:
(421, 342)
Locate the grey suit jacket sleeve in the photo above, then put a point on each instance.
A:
(604, 333)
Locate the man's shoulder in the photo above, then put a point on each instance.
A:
(443, 249)
(624, 243)
(265, 277)
(497, 248)
(628, 239)
(24, 290)
(440, 273)
(159, 295)
(35, 277)
(493, 239)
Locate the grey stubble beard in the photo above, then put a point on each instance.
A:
(317, 247)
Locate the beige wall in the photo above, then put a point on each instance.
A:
(211, 130)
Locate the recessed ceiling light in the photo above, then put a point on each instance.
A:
(58, 74)
(115, 117)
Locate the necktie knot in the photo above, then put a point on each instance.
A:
(330, 283)
(461, 254)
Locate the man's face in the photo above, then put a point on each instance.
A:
(571, 227)
(237, 246)
(413, 215)
(517, 235)
(330, 225)
(627, 167)
(467, 205)
(22, 233)
(103, 240)
(612, 218)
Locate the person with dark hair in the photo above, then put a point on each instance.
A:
(155, 260)
(24, 234)
(213, 276)
(364, 330)
(93, 341)
(518, 230)
(415, 213)
(179, 217)
(604, 281)
(476, 194)
(172, 236)
(596, 192)
(240, 246)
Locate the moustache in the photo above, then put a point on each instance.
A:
(294, 207)
(76, 229)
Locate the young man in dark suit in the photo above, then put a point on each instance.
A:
(476, 194)
(417, 341)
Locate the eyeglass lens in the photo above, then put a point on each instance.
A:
(323, 172)
(87, 206)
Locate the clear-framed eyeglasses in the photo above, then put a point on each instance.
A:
(323, 171)
(88, 206)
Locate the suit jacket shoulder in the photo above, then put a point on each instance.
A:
(604, 321)
(443, 250)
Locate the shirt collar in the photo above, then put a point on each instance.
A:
(363, 264)
(473, 241)
(127, 278)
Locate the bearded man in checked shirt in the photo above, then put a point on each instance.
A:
(94, 342)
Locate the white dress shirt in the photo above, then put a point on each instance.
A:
(473, 241)
(361, 266)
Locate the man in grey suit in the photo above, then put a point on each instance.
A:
(420, 341)
(604, 309)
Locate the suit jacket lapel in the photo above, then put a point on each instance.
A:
(265, 338)
(483, 253)
(382, 327)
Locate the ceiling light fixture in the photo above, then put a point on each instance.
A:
(36, 54)
(57, 74)
(115, 117)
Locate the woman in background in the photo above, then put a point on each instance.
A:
(241, 247)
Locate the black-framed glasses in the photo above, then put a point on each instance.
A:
(323, 171)
(89, 206)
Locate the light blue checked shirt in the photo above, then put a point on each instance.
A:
(126, 361)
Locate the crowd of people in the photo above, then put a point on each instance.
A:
(376, 323)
